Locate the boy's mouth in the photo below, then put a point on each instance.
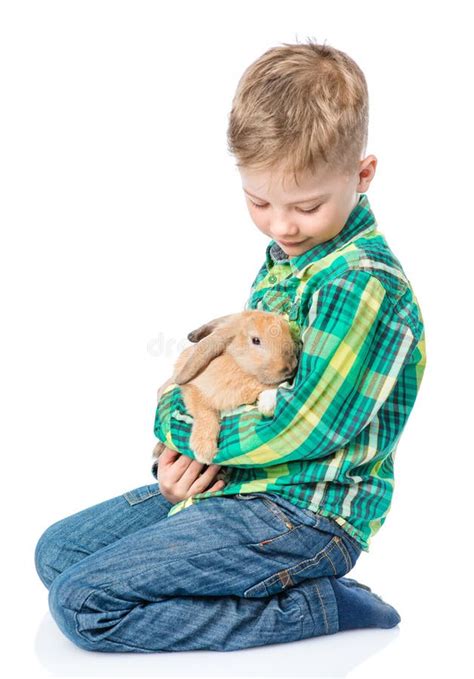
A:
(289, 244)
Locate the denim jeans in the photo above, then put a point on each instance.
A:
(224, 574)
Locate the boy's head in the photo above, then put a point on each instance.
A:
(298, 129)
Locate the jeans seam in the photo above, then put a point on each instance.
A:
(346, 555)
(331, 562)
(285, 575)
(132, 500)
(276, 537)
(326, 625)
(314, 560)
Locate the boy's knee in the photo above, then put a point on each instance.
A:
(47, 551)
(65, 601)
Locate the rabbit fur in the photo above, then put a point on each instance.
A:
(234, 360)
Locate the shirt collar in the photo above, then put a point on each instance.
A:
(360, 221)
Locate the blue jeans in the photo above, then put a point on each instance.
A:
(224, 574)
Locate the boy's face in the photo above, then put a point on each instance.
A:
(300, 217)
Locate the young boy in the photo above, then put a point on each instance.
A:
(260, 557)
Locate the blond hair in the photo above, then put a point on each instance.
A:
(298, 106)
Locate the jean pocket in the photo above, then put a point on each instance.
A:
(329, 558)
(285, 519)
(306, 551)
(137, 495)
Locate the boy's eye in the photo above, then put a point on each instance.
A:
(306, 212)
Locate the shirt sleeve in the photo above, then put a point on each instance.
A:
(353, 349)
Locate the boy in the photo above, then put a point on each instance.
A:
(260, 558)
(330, 270)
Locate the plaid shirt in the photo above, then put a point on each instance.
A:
(330, 445)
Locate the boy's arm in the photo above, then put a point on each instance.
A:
(353, 350)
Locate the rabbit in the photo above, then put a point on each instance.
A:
(237, 358)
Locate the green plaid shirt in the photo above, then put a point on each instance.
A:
(330, 445)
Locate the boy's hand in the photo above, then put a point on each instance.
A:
(179, 476)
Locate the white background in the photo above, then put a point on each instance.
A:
(123, 227)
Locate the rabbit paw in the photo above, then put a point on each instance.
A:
(203, 448)
(267, 401)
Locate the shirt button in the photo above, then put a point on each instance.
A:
(272, 279)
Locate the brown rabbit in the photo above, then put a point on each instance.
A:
(237, 358)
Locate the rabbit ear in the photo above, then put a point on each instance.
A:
(207, 328)
(207, 349)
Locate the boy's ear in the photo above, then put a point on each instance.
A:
(207, 328)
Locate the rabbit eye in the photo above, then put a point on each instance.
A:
(255, 340)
